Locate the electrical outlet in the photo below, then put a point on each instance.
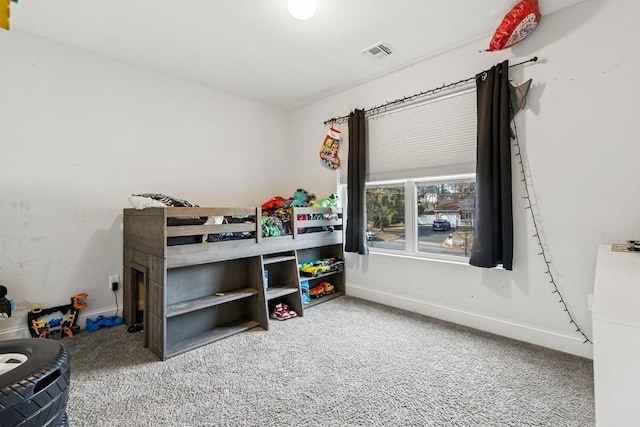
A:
(114, 278)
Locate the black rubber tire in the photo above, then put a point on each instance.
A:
(35, 394)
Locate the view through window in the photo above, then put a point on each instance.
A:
(441, 220)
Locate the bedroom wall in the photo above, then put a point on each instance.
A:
(579, 135)
(80, 133)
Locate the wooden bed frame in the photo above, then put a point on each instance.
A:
(195, 293)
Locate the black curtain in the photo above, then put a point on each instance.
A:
(356, 175)
(493, 236)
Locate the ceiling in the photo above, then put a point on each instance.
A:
(255, 49)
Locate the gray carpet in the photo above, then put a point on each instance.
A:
(348, 362)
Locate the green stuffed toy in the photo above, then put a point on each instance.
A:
(329, 202)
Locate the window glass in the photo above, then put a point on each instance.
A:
(445, 217)
(386, 217)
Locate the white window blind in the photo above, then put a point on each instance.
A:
(431, 138)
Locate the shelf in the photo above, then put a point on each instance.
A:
(280, 291)
(324, 298)
(207, 337)
(320, 276)
(276, 259)
(208, 301)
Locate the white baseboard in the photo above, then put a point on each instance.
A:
(521, 332)
(23, 331)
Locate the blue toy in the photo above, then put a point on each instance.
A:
(301, 198)
(102, 322)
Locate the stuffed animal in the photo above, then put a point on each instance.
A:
(301, 198)
(329, 202)
(275, 202)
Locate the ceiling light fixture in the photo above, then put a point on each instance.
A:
(301, 9)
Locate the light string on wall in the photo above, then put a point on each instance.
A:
(378, 109)
(538, 237)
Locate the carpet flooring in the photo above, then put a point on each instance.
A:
(347, 362)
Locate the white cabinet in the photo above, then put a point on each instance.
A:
(616, 338)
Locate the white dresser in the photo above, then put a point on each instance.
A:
(616, 338)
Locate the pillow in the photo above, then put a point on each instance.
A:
(157, 200)
(517, 24)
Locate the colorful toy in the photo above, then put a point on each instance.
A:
(304, 290)
(314, 268)
(275, 202)
(517, 24)
(329, 202)
(318, 290)
(321, 289)
(56, 327)
(301, 198)
(329, 288)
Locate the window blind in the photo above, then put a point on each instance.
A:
(436, 137)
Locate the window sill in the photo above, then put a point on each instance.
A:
(447, 259)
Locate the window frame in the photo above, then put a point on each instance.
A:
(411, 216)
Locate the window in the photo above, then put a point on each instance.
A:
(420, 196)
(386, 217)
(439, 222)
(445, 217)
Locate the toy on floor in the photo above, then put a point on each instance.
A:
(59, 326)
(6, 305)
(103, 322)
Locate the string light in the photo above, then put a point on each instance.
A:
(383, 108)
(543, 252)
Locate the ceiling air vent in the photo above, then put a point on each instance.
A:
(378, 50)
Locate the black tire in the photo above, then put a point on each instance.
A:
(35, 393)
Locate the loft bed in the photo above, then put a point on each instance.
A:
(168, 250)
(198, 235)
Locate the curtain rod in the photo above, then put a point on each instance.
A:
(377, 108)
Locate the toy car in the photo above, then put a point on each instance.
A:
(334, 264)
(314, 268)
(329, 288)
(317, 291)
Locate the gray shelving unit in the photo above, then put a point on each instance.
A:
(194, 293)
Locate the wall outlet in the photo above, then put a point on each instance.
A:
(114, 278)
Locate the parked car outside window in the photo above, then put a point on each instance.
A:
(441, 225)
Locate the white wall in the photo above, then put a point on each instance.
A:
(579, 135)
(79, 133)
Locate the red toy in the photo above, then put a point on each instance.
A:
(517, 24)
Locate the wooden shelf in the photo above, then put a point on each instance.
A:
(320, 276)
(274, 292)
(214, 334)
(324, 298)
(276, 259)
(208, 301)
